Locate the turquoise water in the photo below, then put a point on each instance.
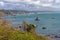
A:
(50, 21)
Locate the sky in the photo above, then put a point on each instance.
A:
(30, 5)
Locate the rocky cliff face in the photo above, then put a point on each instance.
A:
(5, 23)
(2, 14)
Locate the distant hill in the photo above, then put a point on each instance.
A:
(22, 11)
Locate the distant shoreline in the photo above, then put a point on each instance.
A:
(14, 12)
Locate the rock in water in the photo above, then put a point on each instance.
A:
(44, 28)
(37, 19)
(53, 18)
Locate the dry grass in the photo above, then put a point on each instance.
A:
(2, 14)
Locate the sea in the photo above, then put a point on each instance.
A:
(49, 20)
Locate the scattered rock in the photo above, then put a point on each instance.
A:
(43, 27)
(52, 18)
(19, 26)
(57, 36)
(5, 23)
(37, 19)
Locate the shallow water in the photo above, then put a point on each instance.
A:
(50, 21)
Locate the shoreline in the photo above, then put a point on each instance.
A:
(14, 12)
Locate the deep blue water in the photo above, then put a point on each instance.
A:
(50, 21)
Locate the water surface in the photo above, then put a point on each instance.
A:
(50, 21)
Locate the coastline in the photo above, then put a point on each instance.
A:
(33, 13)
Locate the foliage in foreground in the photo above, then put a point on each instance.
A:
(7, 32)
(15, 34)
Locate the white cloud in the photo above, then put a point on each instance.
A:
(27, 0)
(18, 0)
(1, 3)
(57, 1)
(50, 5)
(46, 5)
(50, 0)
(35, 2)
(12, 0)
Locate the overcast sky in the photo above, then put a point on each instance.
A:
(31, 5)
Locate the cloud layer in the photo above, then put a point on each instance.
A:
(30, 4)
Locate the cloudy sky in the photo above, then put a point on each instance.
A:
(31, 5)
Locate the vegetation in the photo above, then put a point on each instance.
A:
(14, 34)
(9, 33)
(2, 14)
(28, 27)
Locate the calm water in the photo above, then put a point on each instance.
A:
(50, 21)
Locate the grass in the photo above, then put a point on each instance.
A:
(1, 14)
(15, 34)
(7, 32)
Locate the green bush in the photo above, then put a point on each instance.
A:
(14, 34)
(28, 27)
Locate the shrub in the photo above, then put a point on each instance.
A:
(13, 34)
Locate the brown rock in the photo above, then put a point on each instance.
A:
(5, 23)
(2, 14)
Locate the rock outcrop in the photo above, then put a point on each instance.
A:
(5, 23)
